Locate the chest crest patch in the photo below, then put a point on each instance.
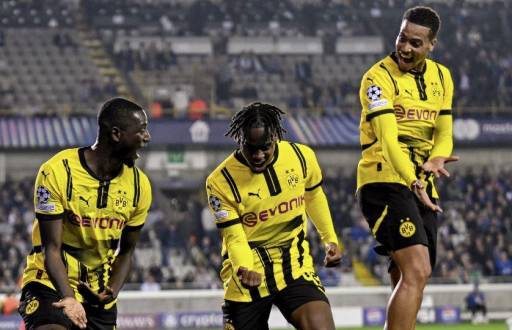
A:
(292, 178)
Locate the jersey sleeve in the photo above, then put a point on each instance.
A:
(443, 132)
(140, 214)
(377, 92)
(314, 177)
(386, 130)
(227, 219)
(448, 89)
(48, 194)
(223, 208)
(317, 206)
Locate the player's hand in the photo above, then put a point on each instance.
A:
(333, 255)
(419, 190)
(436, 165)
(104, 297)
(73, 310)
(249, 278)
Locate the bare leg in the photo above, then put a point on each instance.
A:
(314, 315)
(51, 327)
(405, 301)
(394, 275)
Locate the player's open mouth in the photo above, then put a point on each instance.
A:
(406, 59)
(260, 166)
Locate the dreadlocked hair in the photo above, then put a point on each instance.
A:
(256, 115)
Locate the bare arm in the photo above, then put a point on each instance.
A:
(123, 263)
(51, 241)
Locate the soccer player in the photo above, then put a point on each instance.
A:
(260, 196)
(90, 206)
(406, 139)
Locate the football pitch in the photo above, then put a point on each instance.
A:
(461, 326)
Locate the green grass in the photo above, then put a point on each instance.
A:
(461, 326)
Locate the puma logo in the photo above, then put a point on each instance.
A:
(86, 201)
(45, 174)
(255, 194)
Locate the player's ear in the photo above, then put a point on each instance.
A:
(432, 45)
(116, 134)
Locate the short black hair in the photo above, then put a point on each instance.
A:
(424, 16)
(116, 112)
(256, 115)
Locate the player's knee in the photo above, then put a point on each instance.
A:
(418, 274)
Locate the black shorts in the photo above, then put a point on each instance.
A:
(36, 309)
(397, 218)
(254, 315)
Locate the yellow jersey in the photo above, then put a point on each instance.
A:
(94, 214)
(422, 107)
(263, 218)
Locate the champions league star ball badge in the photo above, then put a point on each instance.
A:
(43, 195)
(374, 93)
(215, 203)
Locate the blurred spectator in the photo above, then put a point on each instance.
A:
(329, 276)
(10, 304)
(150, 284)
(475, 303)
(503, 263)
(197, 109)
(180, 99)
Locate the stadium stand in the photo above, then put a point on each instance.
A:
(177, 51)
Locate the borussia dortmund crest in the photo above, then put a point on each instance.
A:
(407, 228)
(32, 306)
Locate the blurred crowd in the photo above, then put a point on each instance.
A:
(180, 248)
(474, 43)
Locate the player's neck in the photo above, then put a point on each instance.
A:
(420, 68)
(102, 161)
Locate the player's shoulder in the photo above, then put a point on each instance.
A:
(438, 66)
(227, 164)
(295, 149)
(380, 67)
(295, 146)
(59, 157)
(141, 176)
